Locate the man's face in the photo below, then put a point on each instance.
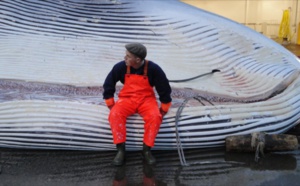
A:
(131, 59)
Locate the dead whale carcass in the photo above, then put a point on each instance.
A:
(55, 55)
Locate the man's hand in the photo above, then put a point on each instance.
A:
(163, 113)
(110, 103)
(164, 107)
(110, 107)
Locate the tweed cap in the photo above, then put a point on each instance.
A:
(137, 49)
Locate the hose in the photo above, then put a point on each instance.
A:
(189, 79)
(179, 111)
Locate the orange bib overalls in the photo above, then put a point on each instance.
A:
(137, 96)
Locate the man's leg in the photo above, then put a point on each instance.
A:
(117, 119)
(152, 117)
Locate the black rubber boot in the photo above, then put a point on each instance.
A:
(149, 159)
(120, 157)
(148, 170)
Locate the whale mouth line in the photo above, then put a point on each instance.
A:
(18, 90)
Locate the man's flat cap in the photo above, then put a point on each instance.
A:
(137, 49)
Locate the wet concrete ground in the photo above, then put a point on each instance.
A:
(206, 167)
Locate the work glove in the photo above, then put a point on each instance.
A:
(164, 108)
(163, 113)
(110, 102)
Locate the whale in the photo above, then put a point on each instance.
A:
(226, 78)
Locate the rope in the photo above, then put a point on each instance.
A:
(178, 141)
(179, 111)
(258, 140)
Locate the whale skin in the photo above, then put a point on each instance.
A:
(56, 54)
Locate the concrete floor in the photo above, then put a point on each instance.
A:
(207, 167)
(294, 48)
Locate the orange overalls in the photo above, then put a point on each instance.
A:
(137, 96)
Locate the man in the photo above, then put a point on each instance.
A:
(139, 76)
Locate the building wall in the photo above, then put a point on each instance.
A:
(264, 16)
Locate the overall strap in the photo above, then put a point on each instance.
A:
(146, 68)
(128, 70)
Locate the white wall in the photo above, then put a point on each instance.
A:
(261, 15)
